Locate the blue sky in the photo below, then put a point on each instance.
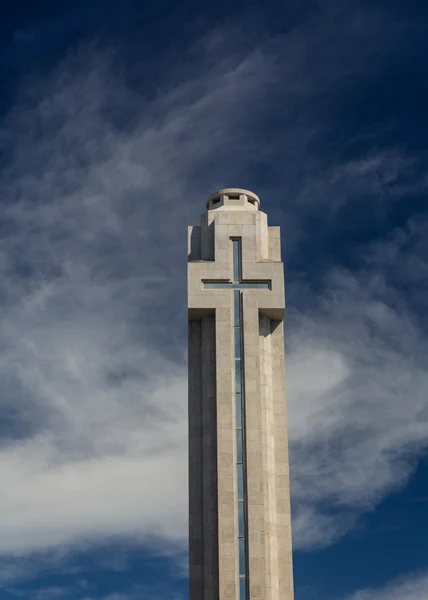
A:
(118, 119)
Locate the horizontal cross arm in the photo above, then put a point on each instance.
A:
(245, 285)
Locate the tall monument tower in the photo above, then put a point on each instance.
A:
(239, 493)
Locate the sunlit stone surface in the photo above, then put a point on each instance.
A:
(240, 529)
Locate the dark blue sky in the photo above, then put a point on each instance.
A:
(118, 119)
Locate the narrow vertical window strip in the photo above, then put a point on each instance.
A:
(238, 404)
(242, 557)
(240, 436)
(236, 250)
(240, 477)
(241, 519)
(242, 588)
(237, 307)
(237, 342)
(238, 376)
(239, 447)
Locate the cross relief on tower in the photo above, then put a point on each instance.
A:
(239, 500)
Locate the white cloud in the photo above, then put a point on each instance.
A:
(92, 251)
(411, 588)
(92, 326)
(357, 389)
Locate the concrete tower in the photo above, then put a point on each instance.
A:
(239, 493)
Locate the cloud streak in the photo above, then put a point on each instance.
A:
(94, 390)
(409, 588)
(98, 185)
(357, 381)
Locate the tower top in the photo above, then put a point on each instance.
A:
(233, 199)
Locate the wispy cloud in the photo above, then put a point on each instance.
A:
(93, 261)
(410, 588)
(98, 185)
(357, 386)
